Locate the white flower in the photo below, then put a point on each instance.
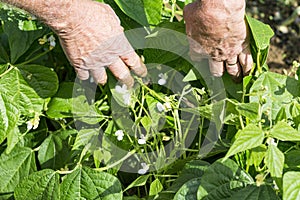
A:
(52, 42)
(163, 79)
(167, 106)
(160, 107)
(126, 95)
(119, 134)
(29, 125)
(271, 141)
(142, 140)
(33, 123)
(127, 99)
(144, 169)
(163, 107)
(121, 89)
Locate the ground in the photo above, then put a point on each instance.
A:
(285, 45)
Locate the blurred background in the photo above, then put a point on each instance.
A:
(284, 18)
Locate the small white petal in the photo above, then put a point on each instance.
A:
(29, 125)
(142, 171)
(119, 133)
(142, 141)
(119, 89)
(160, 107)
(52, 43)
(162, 81)
(144, 166)
(120, 138)
(127, 99)
(167, 106)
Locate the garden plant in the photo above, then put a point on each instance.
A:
(179, 133)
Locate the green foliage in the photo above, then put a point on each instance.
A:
(172, 136)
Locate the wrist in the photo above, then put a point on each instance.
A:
(62, 15)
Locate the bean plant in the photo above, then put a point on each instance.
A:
(179, 133)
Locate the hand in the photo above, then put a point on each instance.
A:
(217, 29)
(92, 39)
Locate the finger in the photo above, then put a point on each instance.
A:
(121, 72)
(216, 67)
(234, 69)
(246, 61)
(82, 74)
(134, 62)
(99, 75)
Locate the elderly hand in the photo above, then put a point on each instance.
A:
(217, 29)
(92, 39)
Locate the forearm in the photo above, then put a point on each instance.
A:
(55, 13)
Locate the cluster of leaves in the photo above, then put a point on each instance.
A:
(59, 136)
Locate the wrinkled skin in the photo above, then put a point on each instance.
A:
(217, 30)
(91, 36)
(98, 41)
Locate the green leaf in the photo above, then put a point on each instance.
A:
(249, 110)
(164, 45)
(4, 58)
(193, 169)
(252, 192)
(155, 187)
(250, 137)
(134, 9)
(295, 112)
(291, 185)
(232, 88)
(13, 138)
(257, 155)
(261, 32)
(9, 116)
(70, 102)
(140, 181)
(42, 79)
(15, 166)
(292, 160)
(84, 136)
(222, 180)
(276, 91)
(284, 132)
(127, 22)
(86, 183)
(157, 117)
(153, 10)
(191, 76)
(260, 39)
(274, 160)
(188, 190)
(39, 185)
(281, 115)
(53, 152)
(19, 41)
(21, 93)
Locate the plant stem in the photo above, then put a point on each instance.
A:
(118, 162)
(11, 67)
(34, 58)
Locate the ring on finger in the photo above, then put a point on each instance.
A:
(231, 64)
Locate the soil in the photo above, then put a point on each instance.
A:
(285, 45)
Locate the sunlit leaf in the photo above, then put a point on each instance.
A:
(39, 185)
(248, 138)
